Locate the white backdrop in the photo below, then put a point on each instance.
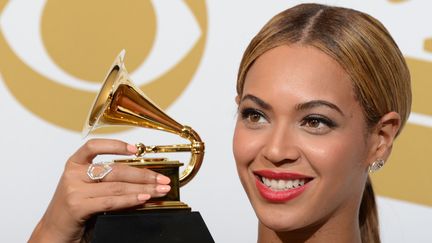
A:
(34, 151)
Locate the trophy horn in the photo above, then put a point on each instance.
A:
(120, 102)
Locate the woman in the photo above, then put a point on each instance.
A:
(322, 93)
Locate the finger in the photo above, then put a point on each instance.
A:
(93, 147)
(126, 173)
(106, 189)
(111, 203)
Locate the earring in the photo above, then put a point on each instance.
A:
(376, 165)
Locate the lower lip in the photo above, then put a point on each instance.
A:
(278, 196)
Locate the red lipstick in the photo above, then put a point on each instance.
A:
(280, 195)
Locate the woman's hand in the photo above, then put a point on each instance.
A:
(77, 197)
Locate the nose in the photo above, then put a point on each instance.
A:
(281, 146)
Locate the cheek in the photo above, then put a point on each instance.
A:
(239, 144)
(334, 153)
(340, 160)
(246, 144)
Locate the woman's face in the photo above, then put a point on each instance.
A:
(301, 143)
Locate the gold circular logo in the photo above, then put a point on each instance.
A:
(82, 38)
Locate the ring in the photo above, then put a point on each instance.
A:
(98, 171)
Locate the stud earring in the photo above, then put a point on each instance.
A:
(376, 165)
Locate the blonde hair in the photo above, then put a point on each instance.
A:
(364, 49)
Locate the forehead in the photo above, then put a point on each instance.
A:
(299, 72)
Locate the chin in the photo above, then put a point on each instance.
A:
(280, 221)
(281, 226)
(289, 226)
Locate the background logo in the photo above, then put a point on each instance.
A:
(78, 40)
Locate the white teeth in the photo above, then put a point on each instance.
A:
(290, 184)
(280, 185)
(274, 184)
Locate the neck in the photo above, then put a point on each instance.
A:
(329, 231)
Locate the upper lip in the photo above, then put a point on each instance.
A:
(281, 175)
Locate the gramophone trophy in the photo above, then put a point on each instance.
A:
(164, 219)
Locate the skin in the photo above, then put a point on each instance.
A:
(77, 197)
(298, 113)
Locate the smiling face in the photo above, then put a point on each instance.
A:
(301, 143)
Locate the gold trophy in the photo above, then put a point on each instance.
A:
(120, 102)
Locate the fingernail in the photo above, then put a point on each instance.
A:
(131, 148)
(143, 197)
(163, 188)
(161, 179)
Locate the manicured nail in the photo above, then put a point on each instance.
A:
(163, 188)
(143, 197)
(161, 179)
(131, 148)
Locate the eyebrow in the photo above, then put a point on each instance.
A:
(317, 103)
(258, 101)
(303, 106)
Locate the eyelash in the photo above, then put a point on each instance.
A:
(248, 112)
(319, 118)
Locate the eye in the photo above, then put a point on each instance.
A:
(317, 124)
(253, 116)
(314, 123)
(167, 53)
(20, 30)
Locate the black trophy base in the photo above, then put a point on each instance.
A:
(151, 227)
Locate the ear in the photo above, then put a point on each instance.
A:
(384, 134)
